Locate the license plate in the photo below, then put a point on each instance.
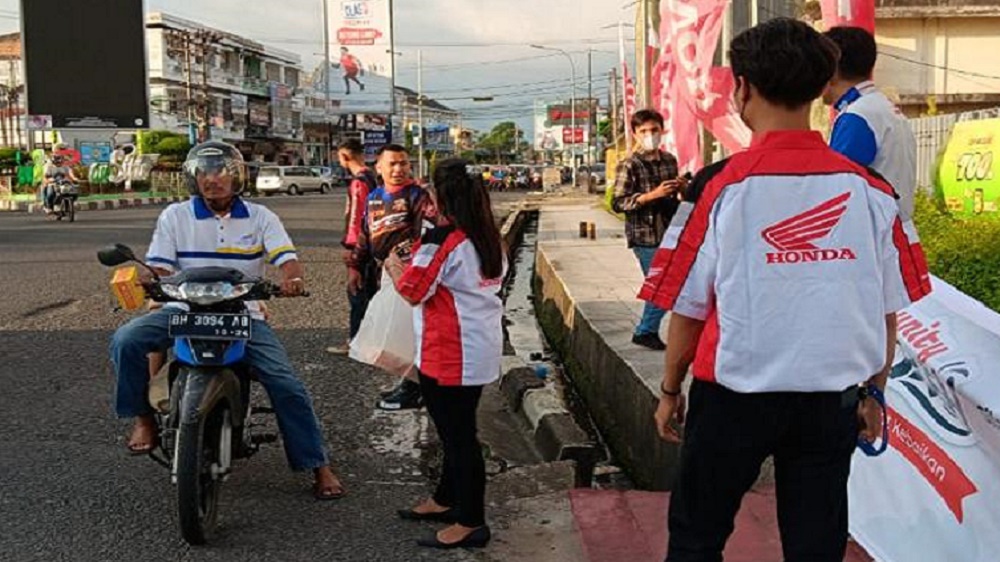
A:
(210, 326)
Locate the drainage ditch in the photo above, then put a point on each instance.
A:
(524, 338)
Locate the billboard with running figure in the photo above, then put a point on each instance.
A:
(360, 69)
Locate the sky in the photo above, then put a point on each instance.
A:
(469, 47)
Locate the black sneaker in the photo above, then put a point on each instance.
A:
(406, 396)
(650, 341)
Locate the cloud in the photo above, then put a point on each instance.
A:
(508, 26)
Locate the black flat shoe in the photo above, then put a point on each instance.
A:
(447, 516)
(476, 539)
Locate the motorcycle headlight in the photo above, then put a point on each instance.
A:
(207, 293)
(241, 290)
(172, 291)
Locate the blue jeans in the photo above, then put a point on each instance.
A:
(48, 195)
(652, 315)
(297, 421)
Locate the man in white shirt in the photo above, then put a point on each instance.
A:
(783, 272)
(217, 228)
(870, 129)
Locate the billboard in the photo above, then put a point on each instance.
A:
(374, 139)
(553, 131)
(85, 63)
(360, 74)
(967, 174)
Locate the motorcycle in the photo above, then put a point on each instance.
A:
(64, 203)
(201, 398)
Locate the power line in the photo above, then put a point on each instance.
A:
(940, 67)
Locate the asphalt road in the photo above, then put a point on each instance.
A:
(68, 491)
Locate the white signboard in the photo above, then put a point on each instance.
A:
(360, 71)
(934, 495)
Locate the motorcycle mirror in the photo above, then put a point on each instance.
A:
(115, 255)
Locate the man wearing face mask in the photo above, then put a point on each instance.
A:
(783, 271)
(647, 190)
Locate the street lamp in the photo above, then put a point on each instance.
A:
(572, 108)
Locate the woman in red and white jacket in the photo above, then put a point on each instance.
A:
(453, 279)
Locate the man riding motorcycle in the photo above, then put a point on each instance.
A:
(56, 171)
(217, 228)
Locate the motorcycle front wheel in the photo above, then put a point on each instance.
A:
(69, 209)
(199, 449)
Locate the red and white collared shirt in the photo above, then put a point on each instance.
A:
(793, 255)
(459, 335)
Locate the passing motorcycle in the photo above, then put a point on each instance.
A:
(202, 409)
(64, 203)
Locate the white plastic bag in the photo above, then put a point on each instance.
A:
(385, 338)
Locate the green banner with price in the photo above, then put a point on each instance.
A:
(968, 172)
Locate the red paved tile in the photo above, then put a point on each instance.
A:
(619, 526)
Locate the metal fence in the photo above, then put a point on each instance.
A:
(932, 135)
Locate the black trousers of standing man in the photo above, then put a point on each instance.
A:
(463, 480)
(728, 435)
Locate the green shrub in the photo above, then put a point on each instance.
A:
(152, 138)
(173, 146)
(965, 252)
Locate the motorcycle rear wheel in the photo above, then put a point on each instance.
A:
(198, 449)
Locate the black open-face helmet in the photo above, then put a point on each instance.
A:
(214, 157)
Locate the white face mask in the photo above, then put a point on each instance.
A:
(651, 142)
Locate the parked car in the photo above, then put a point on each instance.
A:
(333, 175)
(598, 178)
(253, 170)
(293, 180)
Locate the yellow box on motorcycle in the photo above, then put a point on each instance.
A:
(126, 288)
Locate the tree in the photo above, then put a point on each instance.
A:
(503, 140)
(604, 130)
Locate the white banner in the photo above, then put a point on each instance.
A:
(361, 65)
(935, 493)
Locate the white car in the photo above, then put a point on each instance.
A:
(293, 180)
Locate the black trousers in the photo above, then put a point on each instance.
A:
(728, 435)
(370, 275)
(463, 480)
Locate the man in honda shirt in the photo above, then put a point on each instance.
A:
(783, 276)
(395, 216)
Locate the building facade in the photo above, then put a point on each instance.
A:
(937, 55)
(229, 88)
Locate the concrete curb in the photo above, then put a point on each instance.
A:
(617, 398)
(104, 205)
(554, 430)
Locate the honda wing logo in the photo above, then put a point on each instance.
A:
(794, 237)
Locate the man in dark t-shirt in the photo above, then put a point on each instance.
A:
(394, 218)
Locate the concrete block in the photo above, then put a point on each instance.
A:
(558, 437)
(516, 382)
(541, 402)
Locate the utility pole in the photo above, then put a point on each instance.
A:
(206, 98)
(420, 112)
(194, 44)
(613, 95)
(326, 80)
(591, 107)
(642, 46)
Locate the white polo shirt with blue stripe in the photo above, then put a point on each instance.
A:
(189, 234)
(871, 131)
